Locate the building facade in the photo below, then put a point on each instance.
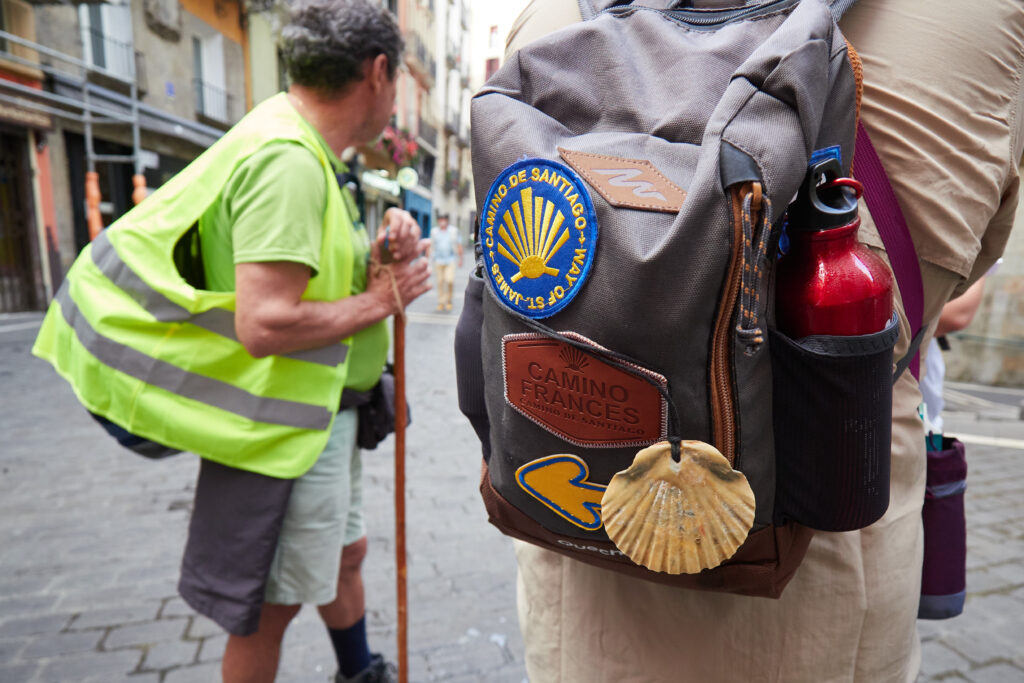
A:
(491, 23)
(122, 96)
(101, 102)
(28, 241)
(455, 184)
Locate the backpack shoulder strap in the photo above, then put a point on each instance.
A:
(892, 227)
(839, 7)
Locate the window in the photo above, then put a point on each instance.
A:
(492, 66)
(107, 38)
(492, 38)
(17, 17)
(210, 81)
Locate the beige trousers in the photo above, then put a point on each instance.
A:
(942, 100)
(848, 614)
(444, 273)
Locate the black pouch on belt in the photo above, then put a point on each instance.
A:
(376, 410)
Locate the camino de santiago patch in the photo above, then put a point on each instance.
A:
(539, 232)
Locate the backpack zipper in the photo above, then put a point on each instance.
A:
(723, 400)
(714, 18)
(718, 17)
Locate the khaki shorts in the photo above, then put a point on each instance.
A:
(325, 513)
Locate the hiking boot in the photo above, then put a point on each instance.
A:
(379, 671)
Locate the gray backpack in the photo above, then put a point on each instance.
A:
(632, 175)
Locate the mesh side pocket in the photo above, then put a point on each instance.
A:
(832, 415)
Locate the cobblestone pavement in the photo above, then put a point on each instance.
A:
(985, 644)
(91, 539)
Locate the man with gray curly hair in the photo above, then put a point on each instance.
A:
(281, 229)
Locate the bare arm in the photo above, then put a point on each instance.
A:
(958, 313)
(271, 317)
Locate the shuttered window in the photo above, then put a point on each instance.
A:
(16, 17)
(107, 37)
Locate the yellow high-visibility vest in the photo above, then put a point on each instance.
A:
(159, 357)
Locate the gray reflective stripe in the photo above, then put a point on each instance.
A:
(117, 271)
(946, 490)
(217, 320)
(187, 384)
(331, 355)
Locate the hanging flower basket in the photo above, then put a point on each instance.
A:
(451, 180)
(400, 146)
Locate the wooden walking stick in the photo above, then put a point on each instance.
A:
(400, 564)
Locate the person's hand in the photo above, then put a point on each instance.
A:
(402, 281)
(402, 234)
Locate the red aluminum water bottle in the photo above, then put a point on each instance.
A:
(829, 283)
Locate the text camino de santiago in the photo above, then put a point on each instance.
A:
(580, 222)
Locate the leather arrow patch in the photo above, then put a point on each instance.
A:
(627, 183)
(560, 482)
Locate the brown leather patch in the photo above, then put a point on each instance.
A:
(628, 183)
(579, 397)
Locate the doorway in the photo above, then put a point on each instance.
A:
(20, 278)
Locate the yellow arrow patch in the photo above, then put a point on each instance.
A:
(560, 483)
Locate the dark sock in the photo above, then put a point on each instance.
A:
(350, 648)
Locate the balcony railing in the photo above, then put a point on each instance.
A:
(453, 54)
(421, 51)
(453, 121)
(211, 101)
(422, 61)
(428, 133)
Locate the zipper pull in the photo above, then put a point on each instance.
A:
(757, 211)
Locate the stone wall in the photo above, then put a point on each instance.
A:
(266, 79)
(170, 66)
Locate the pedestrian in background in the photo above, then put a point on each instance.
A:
(849, 614)
(232, 313)
(445, 251)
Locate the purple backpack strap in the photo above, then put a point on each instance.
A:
(892, 227)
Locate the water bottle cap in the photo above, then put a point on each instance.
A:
(824, 201)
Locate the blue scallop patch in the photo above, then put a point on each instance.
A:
(539, 233)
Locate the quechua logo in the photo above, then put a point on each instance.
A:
(539, 233)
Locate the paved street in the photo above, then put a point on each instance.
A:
(91, 538)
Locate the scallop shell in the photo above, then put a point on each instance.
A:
(678, 517)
